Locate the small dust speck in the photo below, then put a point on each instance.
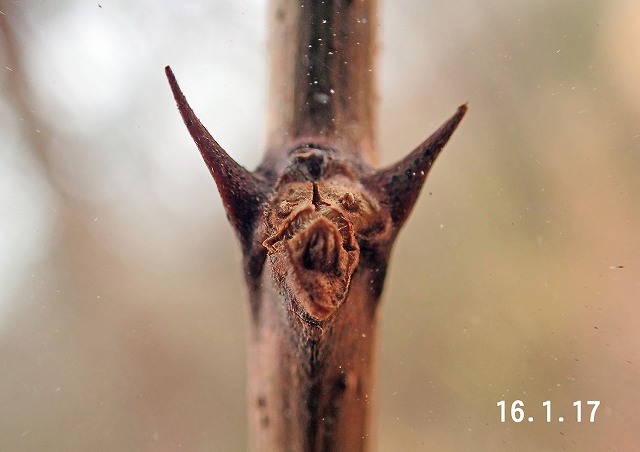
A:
(321, 98)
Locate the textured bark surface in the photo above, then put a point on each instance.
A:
(316, 223)
(322, 77)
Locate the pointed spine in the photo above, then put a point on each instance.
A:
(400, 184)
(241, 191)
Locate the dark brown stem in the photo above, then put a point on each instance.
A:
(316, 224)
(322, 75)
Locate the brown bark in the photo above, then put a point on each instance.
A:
(322, 78)
(316, 224)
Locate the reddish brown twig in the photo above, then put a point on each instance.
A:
(316, 223)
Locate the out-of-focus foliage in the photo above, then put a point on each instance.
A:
(122, 320)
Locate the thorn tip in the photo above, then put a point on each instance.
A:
(400, 183)
(240, 190)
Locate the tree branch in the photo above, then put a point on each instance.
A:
(316, 223)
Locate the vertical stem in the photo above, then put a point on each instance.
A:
(310, 386)
(322, 78)
(312, 389)
(316, 224)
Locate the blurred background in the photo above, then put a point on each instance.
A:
(122, 306)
